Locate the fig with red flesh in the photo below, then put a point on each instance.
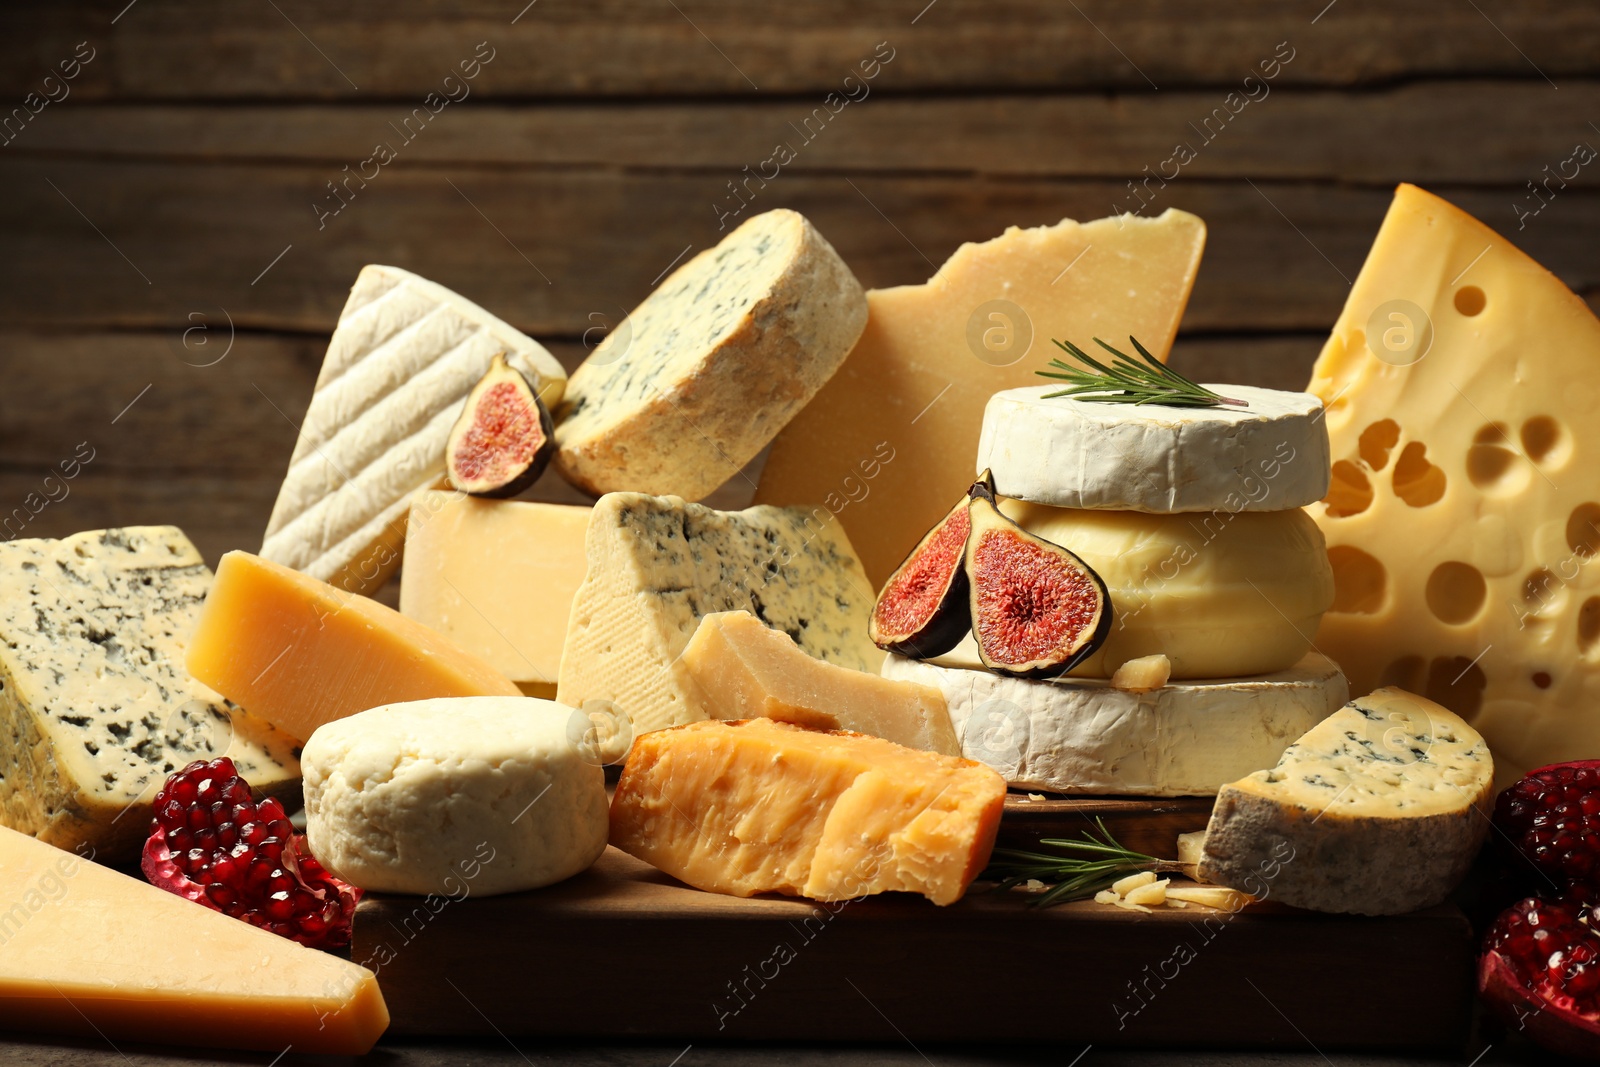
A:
(1540, 973)
(922, 610)
(504, 438)
(1037, 609)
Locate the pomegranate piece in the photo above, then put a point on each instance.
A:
(1540, 973)
(212, 843)
(1551, 822)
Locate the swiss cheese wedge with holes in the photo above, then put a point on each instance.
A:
(1464, 516)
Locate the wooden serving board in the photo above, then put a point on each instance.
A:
(625, 951)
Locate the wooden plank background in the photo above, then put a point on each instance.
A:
(169, 286)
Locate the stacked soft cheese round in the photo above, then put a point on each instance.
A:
(1192, 516)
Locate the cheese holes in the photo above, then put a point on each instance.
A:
(1543, 591)
(1545, 441)
(1589, 625)
(1456, 592)
(1492, 464)
(1542, 679)
(1360, 583)
(1457, 682)
(1583, 529)
(1470, 300)
(1377, 441)
(1349, 491)
(1417, 481)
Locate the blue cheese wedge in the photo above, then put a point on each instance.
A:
(657, 565)
(96, 708)
(1378, 810)
(399, 366)
(704, 373)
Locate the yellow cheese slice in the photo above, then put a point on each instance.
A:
(496, 577)
(91, 953)
(887, 445)
(1464, 516)
(298, 652)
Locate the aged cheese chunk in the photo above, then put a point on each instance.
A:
(657, 565)
(404, 356)
(711, 366)
(496, 577)
(887, 445)
(1143, 674)
(483, 795)
(1086, 737)
(747, 670)
(1269, 456)
(1463, 519)
(1220, 594)
(768, 807)
(1378, 810)
(299, 653)
(88, 952)
(96, 707)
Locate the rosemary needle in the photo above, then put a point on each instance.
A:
(1079, 869)
(1129, 381)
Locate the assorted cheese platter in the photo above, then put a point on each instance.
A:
(1013, 658)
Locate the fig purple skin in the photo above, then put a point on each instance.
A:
(504, 437)
(923, 610)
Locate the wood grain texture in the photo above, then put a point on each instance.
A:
(622, 950)
(1150, 826)
(300, 49)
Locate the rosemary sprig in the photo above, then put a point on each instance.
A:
(1129, 381)
(1091, 865)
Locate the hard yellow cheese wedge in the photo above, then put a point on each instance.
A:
(89, 952)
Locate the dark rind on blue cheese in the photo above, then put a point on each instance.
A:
(658, 565)
(96, 707)
(706, 371)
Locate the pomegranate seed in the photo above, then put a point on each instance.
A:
(1552, 820)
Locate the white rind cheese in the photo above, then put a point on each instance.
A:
(704, 373)
(399, 366)
(96, 708)
(657, 565)
(456, 796)
(1379, 810)
(1084, 736)
(1070, 453)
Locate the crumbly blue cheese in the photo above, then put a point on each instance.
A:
(1378, 810)
(96, 708)
(707, 370)
(657, 565)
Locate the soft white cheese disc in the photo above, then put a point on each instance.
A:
(455, 796)
(1081, 735)
(1269, 456)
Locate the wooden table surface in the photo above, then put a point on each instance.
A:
(172, 263)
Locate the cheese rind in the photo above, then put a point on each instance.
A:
(1086, 737)
(92, 953)
(400, 363)
(1221, 595)
(483, 795)
(1269, 456)
(657, 565)
(702, 375)
(746, 670)
(96, 706)
(496, 577)
(768, 807)
(888, 443)
(1378, 810)
(1462, 521)
(299, 653)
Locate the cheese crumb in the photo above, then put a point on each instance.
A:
(1123, 886)
(1152, 892)
(1143, 674)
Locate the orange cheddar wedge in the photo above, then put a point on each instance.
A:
(91, 953)
(298, 652)
(761, 806)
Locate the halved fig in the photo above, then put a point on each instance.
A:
(504, 438)
(1037, 610)
(922, 610)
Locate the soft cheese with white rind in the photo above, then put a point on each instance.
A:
(1220, 594)
(403, 358)
(484, 795)
(657, 565)
(1083, 736)
(1378, 810)
(96, 706)
(703, 374)
(1269, 456)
